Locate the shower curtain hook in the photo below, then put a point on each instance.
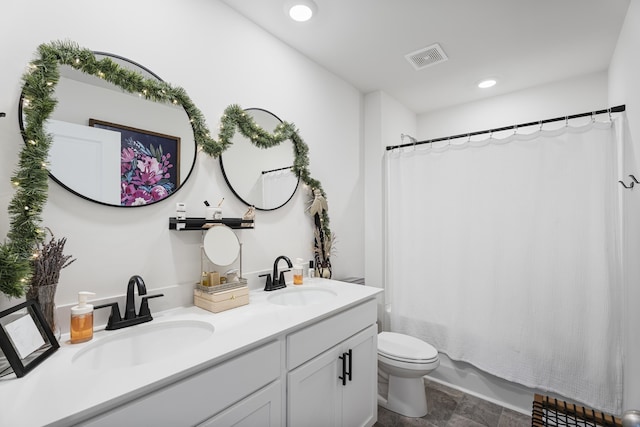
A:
(515, 129)
(468, 137)
(540, 122)
(566, 121)
(625, 186)
(610, 114)
(593, 117)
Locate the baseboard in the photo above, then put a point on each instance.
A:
(468, 379)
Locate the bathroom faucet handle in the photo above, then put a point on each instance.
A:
(144, 305)
(268, 284)
(281, 280)
(114, 317)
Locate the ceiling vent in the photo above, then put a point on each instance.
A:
(426, 57)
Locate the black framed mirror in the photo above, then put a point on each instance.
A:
(113, 147)
(260, 177)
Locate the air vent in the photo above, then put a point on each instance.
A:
(426, 57)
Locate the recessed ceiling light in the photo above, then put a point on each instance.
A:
(487, 83)
(301, 10)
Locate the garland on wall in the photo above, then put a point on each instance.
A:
(235, 117)
(30, 179)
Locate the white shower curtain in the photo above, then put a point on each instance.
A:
(277, 187)
(506, 254)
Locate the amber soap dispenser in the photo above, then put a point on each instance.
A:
(82, 319)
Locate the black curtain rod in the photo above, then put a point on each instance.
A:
(276, 170)
(617, 109)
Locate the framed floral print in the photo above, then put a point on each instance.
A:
(149, 163)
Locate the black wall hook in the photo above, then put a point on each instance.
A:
(3, 114)
(631, 184)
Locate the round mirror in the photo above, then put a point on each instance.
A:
(260, 177)
(114, 147)
(221, 245)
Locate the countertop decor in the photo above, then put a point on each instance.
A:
(48, 260)
(57, 387)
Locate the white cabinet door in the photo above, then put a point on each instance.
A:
(318, 396)
(261, 409)
(313, 396)
(360, 400)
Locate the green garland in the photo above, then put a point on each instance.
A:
(235, 117)
(30, 180)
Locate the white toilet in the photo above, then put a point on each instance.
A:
(402, 362)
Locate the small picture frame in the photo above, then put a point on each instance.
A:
(25, 339)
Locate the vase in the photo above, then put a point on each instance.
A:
(46, 297)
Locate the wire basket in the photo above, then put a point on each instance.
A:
(548, 411)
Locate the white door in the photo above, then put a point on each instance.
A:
(86, 159)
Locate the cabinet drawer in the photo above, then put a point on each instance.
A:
(263, 408)
(313, 340)
(192, 400)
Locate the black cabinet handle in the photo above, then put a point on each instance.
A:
(344, 368)
(350, 354)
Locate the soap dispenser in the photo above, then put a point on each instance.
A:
(82, 319)
(298, 271)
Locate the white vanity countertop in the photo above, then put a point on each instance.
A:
(59, 393)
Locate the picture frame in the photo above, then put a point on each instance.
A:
(149, 163)
(26, 339)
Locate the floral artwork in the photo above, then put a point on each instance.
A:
(148, 164)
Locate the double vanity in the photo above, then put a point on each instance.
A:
(300, 356)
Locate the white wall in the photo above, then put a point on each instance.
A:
(219, 58)
(385, 120)
(576, 95)
(624, 88)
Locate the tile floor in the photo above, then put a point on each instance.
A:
(452, 408)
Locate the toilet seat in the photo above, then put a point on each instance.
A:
(405, 348)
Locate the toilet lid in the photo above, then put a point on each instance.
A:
(405, 348)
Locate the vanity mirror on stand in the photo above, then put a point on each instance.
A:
(220, 290)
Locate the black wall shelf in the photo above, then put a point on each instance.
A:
(197, 223)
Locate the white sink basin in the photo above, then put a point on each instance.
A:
(301, 296)
(143, 343)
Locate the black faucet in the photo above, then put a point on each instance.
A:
(130, 316)
(130, 308)
(278, 282)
